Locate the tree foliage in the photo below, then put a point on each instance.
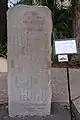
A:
(3, 27)
(62, 18)
(62, 23)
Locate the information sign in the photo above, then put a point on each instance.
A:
(65, 47)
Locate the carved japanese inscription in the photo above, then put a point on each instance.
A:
(29, 37)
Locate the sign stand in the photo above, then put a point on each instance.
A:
(63, 48)
(69, 92)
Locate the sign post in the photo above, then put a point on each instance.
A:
(64, 48)
(69, 91)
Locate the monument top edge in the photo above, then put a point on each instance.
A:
(29, 6)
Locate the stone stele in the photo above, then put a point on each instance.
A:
(29, 50)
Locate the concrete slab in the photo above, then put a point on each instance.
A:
(75, 91)
(60, 91)
(75, 82)
(76, 108)
(59, 85)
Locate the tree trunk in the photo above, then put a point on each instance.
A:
(3, 21)
(77, 24)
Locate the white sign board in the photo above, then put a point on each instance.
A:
(62, 58)
(65, 47)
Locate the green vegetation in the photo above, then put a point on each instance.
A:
(3, 50)
(75, 61)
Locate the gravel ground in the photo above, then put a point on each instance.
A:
(59, 113)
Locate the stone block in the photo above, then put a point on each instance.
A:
(29, 49)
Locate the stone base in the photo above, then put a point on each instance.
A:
(17, 109)
(60, 113)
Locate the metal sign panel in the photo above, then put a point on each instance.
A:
(62, 58)
(65, 47)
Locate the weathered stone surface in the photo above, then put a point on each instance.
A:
(29, 48)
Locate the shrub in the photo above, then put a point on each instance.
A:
(3, 50)
(75, 60)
